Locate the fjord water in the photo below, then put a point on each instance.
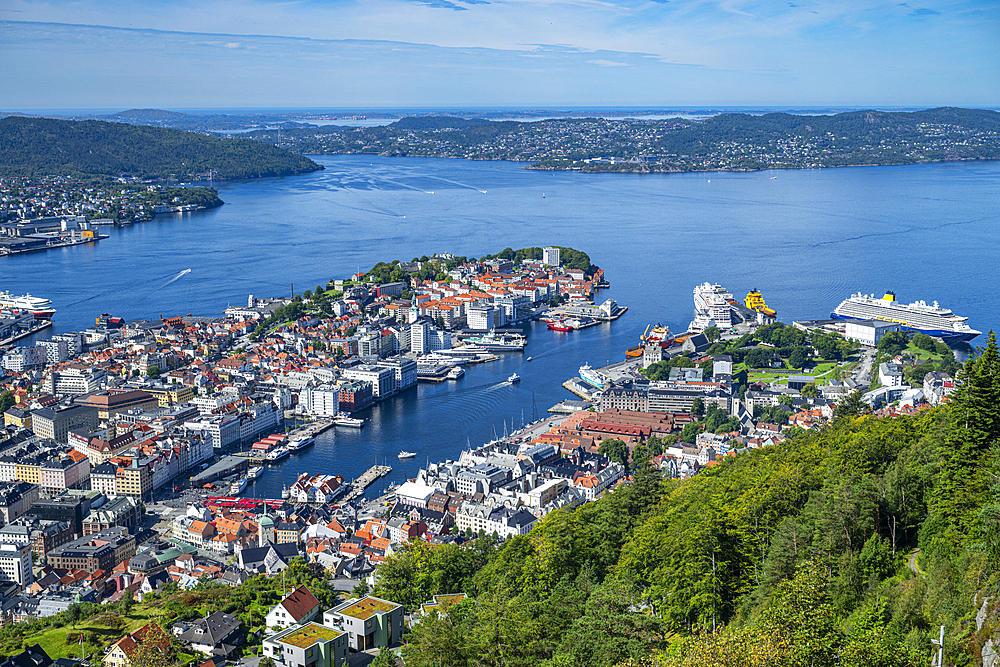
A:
(806, 239)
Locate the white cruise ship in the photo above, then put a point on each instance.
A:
(712, 303)
(41, 308)
(494, 342)
(932, 320)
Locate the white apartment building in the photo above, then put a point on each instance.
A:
(482, 318)
(219, 430)
(382, 379)
(56, 351)
(321, 401)
(76, 380)
(550, 256)
(15, 564)
(21, 359)
(404, 370)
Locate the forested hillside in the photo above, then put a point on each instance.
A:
(731, 141)
(799, 554)
(41, 146)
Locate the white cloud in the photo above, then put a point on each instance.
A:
(608, 63)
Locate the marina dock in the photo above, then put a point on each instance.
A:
(367, 479)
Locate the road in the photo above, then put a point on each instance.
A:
(862, 374)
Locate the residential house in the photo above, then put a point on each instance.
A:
(299, 606)
(369, 622)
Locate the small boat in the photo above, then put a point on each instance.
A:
(528, 359)
(254, 472)
(456, 373)
(300, 443)
(514, 378)
(405, 455)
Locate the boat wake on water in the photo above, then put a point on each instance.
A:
(133, 286)
(464, 185)
(176, 278)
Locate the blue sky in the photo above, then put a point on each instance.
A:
(480, 53)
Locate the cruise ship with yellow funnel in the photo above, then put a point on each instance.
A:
(932, 320)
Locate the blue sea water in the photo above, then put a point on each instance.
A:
(806, 239)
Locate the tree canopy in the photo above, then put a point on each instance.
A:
(33, 146)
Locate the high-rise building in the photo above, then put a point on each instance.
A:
(550, 256)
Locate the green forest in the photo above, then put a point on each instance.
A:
(40, 146)
(846, 546)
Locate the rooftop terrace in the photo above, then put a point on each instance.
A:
(309, 634)
(368, 607)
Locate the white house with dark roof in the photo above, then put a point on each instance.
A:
(299, 606)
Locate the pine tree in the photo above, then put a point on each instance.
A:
(965, 453)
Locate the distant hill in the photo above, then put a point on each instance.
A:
(726, 142)
(34, 146)
(148, 115)
(436, 123)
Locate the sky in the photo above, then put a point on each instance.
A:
(383, 54)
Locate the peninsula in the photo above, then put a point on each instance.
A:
(43, 146)
(727, 142)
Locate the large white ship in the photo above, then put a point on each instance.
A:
(932, 320)
(712, 306)
(41, 308)
(494, 342)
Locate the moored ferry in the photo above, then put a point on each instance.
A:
(39, 307)
(933, 320)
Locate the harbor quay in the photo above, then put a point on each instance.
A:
(190, 416)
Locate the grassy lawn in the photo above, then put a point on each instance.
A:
(824, 370)
(921, 354)
(97, 637)
(107, 626)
